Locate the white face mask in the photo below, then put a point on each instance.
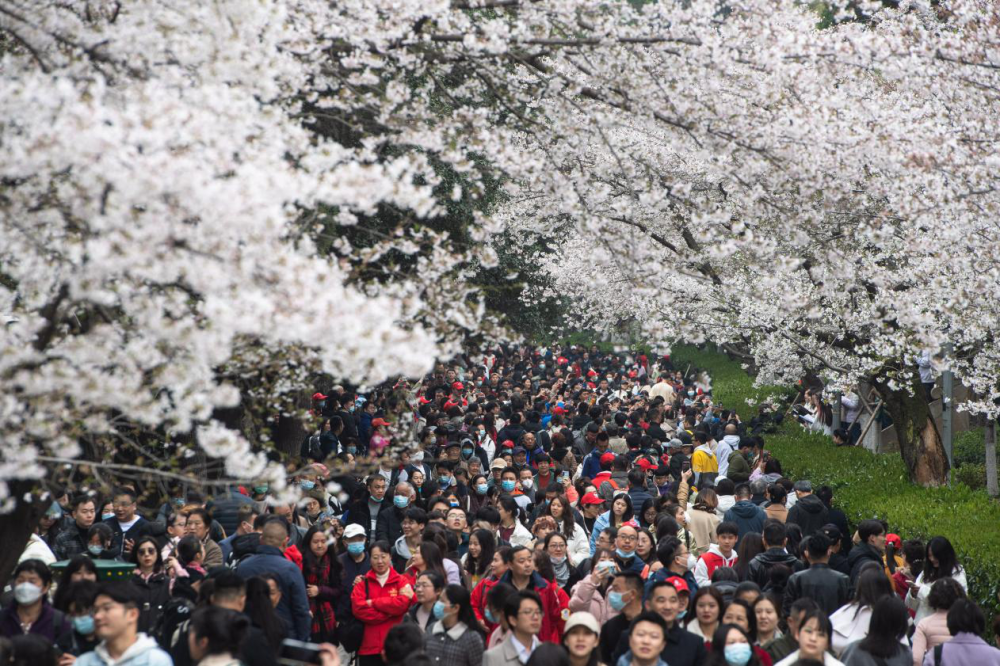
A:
(526, 484)
(27, 593)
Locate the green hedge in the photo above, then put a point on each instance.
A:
(867, 485)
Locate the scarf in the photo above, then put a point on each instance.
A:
(562, 571)
(323, 620)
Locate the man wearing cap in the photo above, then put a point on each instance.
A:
(580, 637)
(668, 598)
(520, 457)
(591, 506)
(677, 456)
(809, 512)
(354, 564)
(496, 469)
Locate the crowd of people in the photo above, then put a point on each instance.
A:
(559, 507)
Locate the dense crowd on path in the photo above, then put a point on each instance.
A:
(560, 507)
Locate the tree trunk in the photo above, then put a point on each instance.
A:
(919, 438)
(17, 526)
(991, 458)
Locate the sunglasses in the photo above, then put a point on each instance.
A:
(147, 551)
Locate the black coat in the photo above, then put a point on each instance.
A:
(760, 567)
(136, 532)
(810, 514)
(153, 595)
(861, 555)
(389, 526)
(830, 589)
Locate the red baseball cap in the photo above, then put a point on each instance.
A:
(457, 386)
(318, 396)
(645, 464)
(558, 410)
(591, 498)
(679, 584)
(508, 444)
(607, 458)
(894, 539)
(379, 422)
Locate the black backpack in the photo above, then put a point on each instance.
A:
(351, 630)
(175, 612)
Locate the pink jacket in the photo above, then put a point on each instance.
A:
(931, 632)
(586, 597)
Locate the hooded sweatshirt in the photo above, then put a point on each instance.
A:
(809, 513)
(709, 562)
(748, 517)
(144, 652)
(728, 444)
(705, 466)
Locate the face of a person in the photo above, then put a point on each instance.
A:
(543, 467)
(83, 574)
(523, 564)
(627, 539)
(529, 617)
(707, 609)
(380, 561)
(378, 488)
(556, 508)
(474, 548)
(646, 641)
(179, 528)
(498, 568)
(735, 637)
(767, 618)
(196, 526)
(650, 515)
(456, 520)
(580, 641)
(33, 578)
(424, 590)
(417, 478)
(542, 530)
(125, 509)
(681, 556)
(146, 555)
(111, 618)
(318, 544)
(619, 506)
(603, 541)
(556, 548)
(726, 542)
(737, 615)
(274, 592)
(645, 545)
(813, 641)
(312, 507)
(410, 527)
(85, 514)
(665, 602)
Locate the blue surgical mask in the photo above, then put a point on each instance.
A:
(624, 555)
(84, 625)
(738, 654)
(616, 600)
(467, 453)
(260, 490)
(402, 501)
(508, 485)
(356, 548)
(95, 550)
(438, 609)
(453, 503)
(178, 501)
(606, 564)
(305, 484)
(444, 480)
(107, 516)
(482, 488)
(488, 614)
(378, 500)
(352, 450)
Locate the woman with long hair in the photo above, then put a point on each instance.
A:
(767, 612)
(940, 562)
(645, 548)
(479, 494)
(581, 639)
(850, 622)
(479, 559)
(703, 520)
(813, 637)
(456, 638)
(707, 605)
(590, 594)
(882, 644)
(751, 545)
(150, 579)
(740, 613)
(260, 609)
(322, 571)
(620, 513)
(733, 646)
(577, 543)
(79, 568)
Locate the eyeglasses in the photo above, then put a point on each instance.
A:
(147, 551)
(531, 612)
(627, 538)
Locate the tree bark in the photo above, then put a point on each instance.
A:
(991, 458)
(920, 442)
(17, 526)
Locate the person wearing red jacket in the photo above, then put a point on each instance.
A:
(380, 600)
(555, 603)
(497, 569)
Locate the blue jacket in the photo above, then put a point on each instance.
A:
(592, 464)
(748, 517)
(600, 524)
(294, 605)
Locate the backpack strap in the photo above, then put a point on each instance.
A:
(938, 650)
